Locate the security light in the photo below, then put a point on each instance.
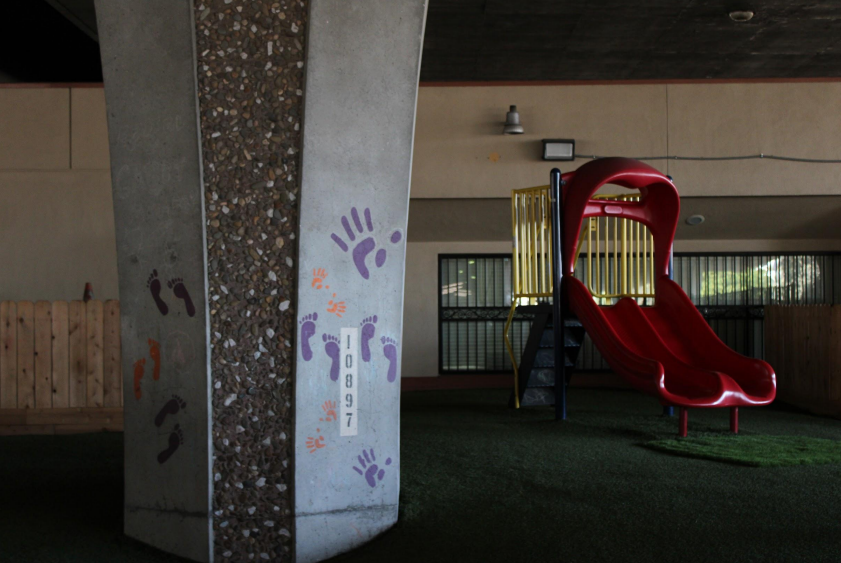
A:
(558, 149)
(512, 122)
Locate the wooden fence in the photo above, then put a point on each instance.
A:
(803, 345)
(60, 366)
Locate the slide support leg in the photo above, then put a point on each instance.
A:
(734, 420)
(684, 421)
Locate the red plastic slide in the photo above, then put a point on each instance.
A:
(667, 350)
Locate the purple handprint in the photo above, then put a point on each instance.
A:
(369, 469)
(367, 245)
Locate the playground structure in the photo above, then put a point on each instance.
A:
(666, 349)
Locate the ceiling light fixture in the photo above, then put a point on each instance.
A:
(512, 122)
(694, 220)
(741, 16)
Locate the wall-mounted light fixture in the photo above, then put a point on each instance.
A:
(558, 149)
(694, 220)
(512, 122)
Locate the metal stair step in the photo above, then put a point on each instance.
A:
(545, 358)
(541, 377)
(571, 339)
(538, 396)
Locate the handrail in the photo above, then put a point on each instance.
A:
(531, 257)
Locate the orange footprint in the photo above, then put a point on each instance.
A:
(329, 408)
(315, 443)
(155, 352)
(138, 375)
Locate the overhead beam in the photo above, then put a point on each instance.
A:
(81, 13)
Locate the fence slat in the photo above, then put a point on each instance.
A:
(61, 355)
(94, 353)
(77, 346)
(26, 355)
(43, 355)
(112, 383)
(8, 355)
(803, 346)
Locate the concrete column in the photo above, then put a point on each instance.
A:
(208, 274)
(150, 86)
(361, 90)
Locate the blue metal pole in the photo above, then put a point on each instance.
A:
(557, 304)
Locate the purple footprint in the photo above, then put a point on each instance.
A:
(307, 331)
(154, 285)
(390, 352)
(180, 290)
(369, 469)
(173, 406)
(331, 346)
(176, 438)
(367, 245)
(368, 330)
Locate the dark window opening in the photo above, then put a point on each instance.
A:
(729, 289)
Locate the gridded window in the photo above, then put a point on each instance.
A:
(730, 291)
(473, 305)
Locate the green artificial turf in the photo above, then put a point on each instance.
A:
(755, 451)
(484, 483)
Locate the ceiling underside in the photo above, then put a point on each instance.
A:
(503, 40)
(48, 41)
(514, 40)
(727, 218)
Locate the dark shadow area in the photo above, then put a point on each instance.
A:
(41, 45)
(61, 501)
(481, 482)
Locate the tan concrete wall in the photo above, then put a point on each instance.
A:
(34, 129)
(460, 150)
(56, 212)
(800, 120)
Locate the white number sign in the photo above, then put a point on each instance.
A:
(348, 381)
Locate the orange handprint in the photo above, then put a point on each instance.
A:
(329, 408)
(318, 276)
(338, 307)
(314, 444)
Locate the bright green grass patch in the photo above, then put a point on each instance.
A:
(755, 451)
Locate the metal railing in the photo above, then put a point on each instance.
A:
(621, 261)
(630, 273)
(531, 225)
